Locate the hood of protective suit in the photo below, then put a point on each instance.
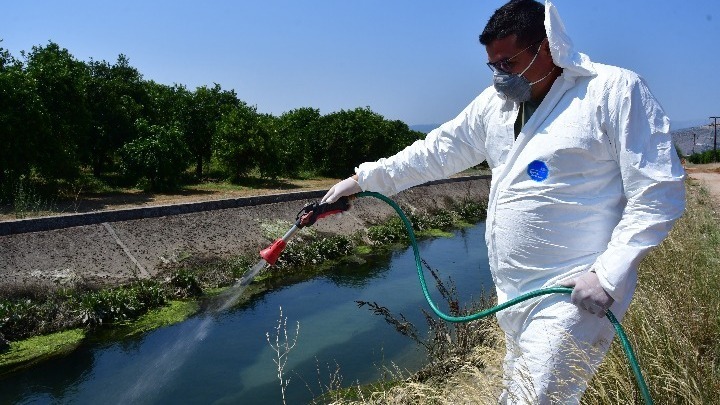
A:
(561, 46)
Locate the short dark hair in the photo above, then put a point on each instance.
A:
(524, 18)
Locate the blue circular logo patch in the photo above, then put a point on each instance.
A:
(538, 170)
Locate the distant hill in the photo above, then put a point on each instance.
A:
(694, 139)
(689, 123)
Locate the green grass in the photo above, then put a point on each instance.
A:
(215, 186)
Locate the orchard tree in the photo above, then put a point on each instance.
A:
(344, 140)
(398, 135)
(206, 108)
(21, 120)
(158, 155)
(240, 141)
(166, 105)
(60, 81)
(116, 95)
(269, 162)
(296, 139)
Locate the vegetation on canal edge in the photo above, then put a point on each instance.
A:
(673, 325)
(146, 304)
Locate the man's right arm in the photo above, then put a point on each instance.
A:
(453, 147)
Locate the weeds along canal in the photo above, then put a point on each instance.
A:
(227, 357)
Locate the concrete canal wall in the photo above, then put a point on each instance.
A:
(113, 247)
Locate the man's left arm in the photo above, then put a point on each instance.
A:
(653, 185)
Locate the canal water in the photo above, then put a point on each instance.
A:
(226, 359)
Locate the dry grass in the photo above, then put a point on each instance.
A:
(673, 325)
(674, 321)
(477, 381)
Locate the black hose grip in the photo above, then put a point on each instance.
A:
(314, 211)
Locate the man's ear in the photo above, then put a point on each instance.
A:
(545, 48)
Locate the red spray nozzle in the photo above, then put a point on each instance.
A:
(272, 252)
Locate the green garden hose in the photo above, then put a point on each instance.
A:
(543, 291)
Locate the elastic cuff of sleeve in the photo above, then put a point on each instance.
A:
(598, 269)
(360, 179)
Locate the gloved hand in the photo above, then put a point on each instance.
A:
(588, 294)
(344, 188)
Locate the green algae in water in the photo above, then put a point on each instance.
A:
(435, 233)
(34, 349)
(173, 313)
(30, 351)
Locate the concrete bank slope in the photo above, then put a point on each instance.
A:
(114, 247)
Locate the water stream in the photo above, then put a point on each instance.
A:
(223, 357)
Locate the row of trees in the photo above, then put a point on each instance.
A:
(60, 117)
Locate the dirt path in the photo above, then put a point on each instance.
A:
(708, 175)
(82, 203)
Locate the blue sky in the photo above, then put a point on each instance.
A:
(414, 60)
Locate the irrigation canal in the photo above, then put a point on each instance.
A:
(226, 358)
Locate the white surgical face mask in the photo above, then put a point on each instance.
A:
(513, 86)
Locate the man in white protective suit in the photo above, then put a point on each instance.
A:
(585, 181)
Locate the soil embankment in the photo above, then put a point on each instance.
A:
(104, 251)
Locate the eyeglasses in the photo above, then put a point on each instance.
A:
(503, 65)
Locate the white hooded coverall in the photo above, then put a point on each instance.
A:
(592, 181)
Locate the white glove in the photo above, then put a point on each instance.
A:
(588, 294)
(344, 188)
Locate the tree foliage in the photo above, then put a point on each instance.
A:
(115, 97)
(61, 117)
(23, 126)
(347, 138)
(158, 155)
(239, 141)
(296, 131)
(60, 83)
(206, 108)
